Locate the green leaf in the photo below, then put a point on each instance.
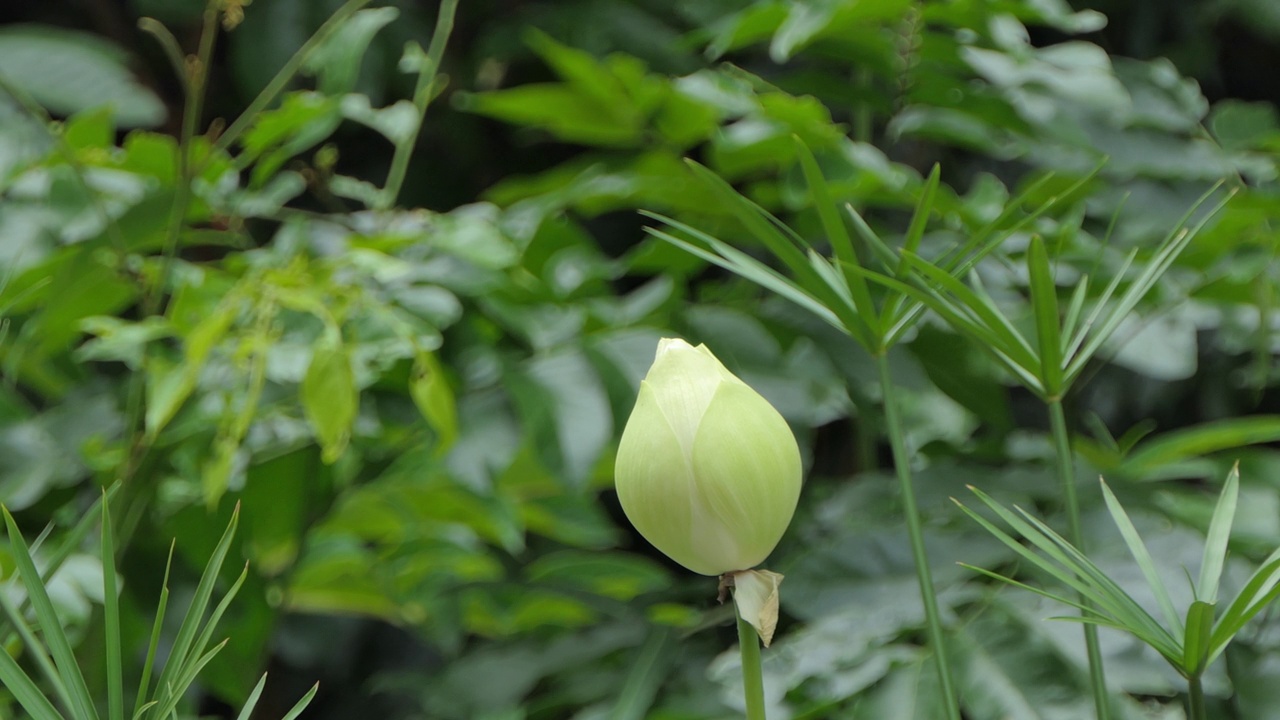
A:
(431, 392)
(1219, 534)
(1261, 589)
(246, 711)
(24, 690)
(1139, 551)
(785, 245)
(170, 686)
(613, 575)
(1243, 125)
(141, 703)
(14, 677)
(1173, 245)
(1044, 301)
(838, 236)
(69, 71)
(59, 645)
(1199, 440)
(329, 395)
(302, 704)
(337, 60)
(649, 668)
(1196, 646)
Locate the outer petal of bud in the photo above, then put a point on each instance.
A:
(707, 469)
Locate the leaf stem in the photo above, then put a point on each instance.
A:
(1195, 699)
(286, 74)
(423, 93)
(752, 675)
(1066, 475)
(902, 462)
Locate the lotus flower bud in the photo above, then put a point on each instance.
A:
(707, 469)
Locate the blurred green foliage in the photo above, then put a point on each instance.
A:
(416, 407)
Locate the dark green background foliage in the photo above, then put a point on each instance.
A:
(416, 407)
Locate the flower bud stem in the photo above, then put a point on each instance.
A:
(752, 676)
(902, 462)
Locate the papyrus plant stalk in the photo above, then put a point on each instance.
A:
(835, 288)
(1055, 355)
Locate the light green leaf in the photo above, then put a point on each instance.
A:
(329, 395)
(434, 397)
(1219, 534)
(1044, 300)
(69, 71)
(56, 638)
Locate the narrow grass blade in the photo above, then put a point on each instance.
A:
(206, 635)
(920, 218)
(988, 341)
(1258, 592)
(1100, 306)
(302, 704)
(1099, 588)
(141, 703)
(1031, 588)
(1127, 610)
(1169, 250)
(878, 247)
(72, 540)
(111, 621)
(173, 692)
(246, 712)
(36, 650)
(24, 690)
(1199, 440)
(1139, 551)
(1011, 340)
(55, 637)
(1215, 546)
(838, 235)
(1044, 303)
(182, 644)
(756, 219)
(987, 238)
(1065, 576)
(751, 269)
(648, 669)
(915, 235)
(1071, 318)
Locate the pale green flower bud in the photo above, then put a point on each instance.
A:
(707, 470)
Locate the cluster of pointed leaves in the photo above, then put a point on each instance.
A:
(1189, 643)
(50, 650)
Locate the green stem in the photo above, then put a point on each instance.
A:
(1067, 476)
(286, 74)
(752, 676)
(902, 461)
(196, 75)
(424, 92)
(1196, 699)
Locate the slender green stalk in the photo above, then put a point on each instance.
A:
(902, 462)
(1066, 475)
(1195, 699)
(752, 676)
(286, 74)
(426, 89)
(196, 78)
